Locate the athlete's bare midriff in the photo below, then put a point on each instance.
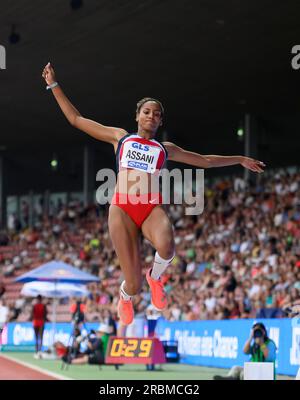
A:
(135, 182)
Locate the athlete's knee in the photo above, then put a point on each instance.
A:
(166, 250)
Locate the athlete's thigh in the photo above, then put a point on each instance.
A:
(157, 228)
(125, 238)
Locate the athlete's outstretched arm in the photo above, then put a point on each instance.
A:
(92, 128)
(176, 153)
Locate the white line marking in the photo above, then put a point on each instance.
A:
(38, 369)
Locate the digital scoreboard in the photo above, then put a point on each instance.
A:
(127, 350)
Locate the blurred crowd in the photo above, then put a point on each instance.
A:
(240, 256)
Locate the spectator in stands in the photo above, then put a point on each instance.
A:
(252, 232)
(4, 311)
(8, 269)
(20, 305)
(261, 349)
(4, 239)
(11, 222)
(2, 289)
(109, 321)
(39, 318)
(14, 312)
(78, 317)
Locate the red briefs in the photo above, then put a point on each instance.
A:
(38, 323)
(137, 207)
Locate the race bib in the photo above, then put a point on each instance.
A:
(140, 156)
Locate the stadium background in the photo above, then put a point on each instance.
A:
(219, 70)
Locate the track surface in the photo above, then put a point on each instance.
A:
(11, 370)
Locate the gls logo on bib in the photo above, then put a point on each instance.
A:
(140, 146)
(140, 157)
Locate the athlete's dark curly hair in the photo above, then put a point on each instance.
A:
(144, 100)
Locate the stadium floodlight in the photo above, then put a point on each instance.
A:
(240, 132)
(54, 163)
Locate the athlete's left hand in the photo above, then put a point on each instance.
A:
(253, 165)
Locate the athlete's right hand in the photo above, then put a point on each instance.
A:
(49, 74)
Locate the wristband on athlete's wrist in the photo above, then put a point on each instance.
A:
(53, 85)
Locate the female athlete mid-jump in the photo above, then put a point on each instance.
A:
(129, 214)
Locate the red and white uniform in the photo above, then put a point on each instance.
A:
(147, 155)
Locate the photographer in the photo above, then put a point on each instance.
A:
(95, 353)
(78, 317)
(259, 346)
(263, 349)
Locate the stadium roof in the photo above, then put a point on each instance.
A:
(208, 61)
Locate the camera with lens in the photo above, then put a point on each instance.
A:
(258, 333)
(89, 336)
